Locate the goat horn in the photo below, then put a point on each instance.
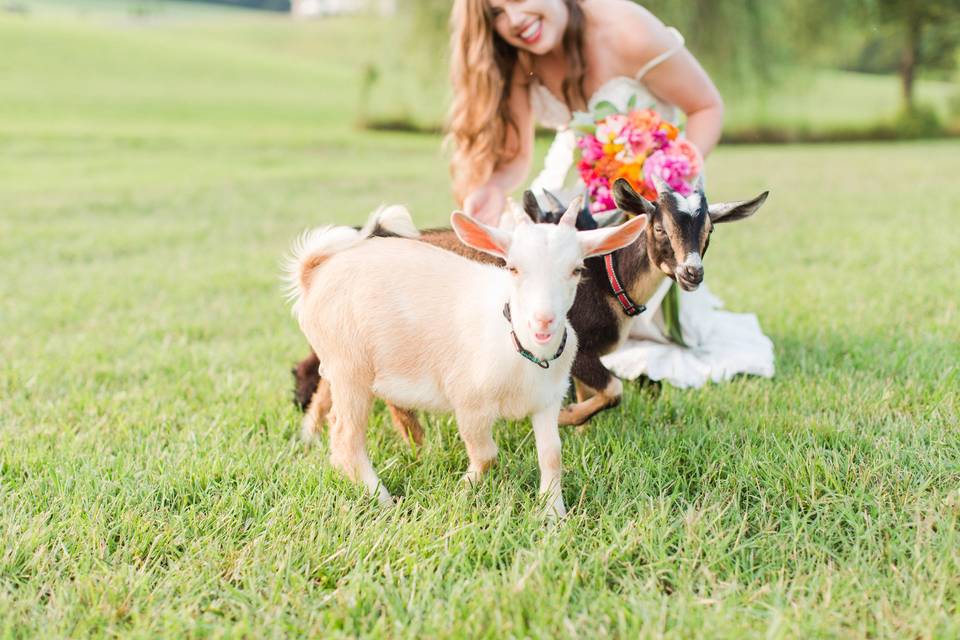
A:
(661, 185)
(570, 216)
(519, 216)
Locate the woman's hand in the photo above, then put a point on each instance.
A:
(485, 204)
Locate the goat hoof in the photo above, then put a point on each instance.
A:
(385, 499)
(310, 431)
(472, 478)
(556, 511)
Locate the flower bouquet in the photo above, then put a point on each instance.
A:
(635, 145)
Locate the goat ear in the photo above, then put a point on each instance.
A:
(629, 200)
(569, 218)
(733, 211)
(601, 241)
(531, 207)
(479, 236)
(554, 201)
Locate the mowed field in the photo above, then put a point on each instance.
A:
(153, 172)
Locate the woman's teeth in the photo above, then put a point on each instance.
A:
(530, 31)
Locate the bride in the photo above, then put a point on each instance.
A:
(515, 63)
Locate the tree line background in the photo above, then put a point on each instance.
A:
(748, 41)
(751, 46)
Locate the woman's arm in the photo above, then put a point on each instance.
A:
(487, 201)
(679, 80)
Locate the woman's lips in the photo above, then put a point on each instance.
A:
(532, 32)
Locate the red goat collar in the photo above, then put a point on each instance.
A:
(629, 307)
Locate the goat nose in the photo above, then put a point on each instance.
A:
(694, 273)
(544, 318)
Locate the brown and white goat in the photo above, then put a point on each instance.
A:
(424, 328)
(677, 236)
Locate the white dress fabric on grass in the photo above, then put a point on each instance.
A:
(721, 344)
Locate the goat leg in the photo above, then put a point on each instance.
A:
(476, 431)
(316, 413)
(583, 391)
(589, 372)
(312, 394)
(406, 424)
(548, 455)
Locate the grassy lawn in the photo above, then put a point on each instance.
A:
(152, 175)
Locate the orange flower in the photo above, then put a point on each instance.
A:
(629, 171)
(607, 166)
(644, 119)
(671, 131)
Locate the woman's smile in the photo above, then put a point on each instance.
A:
(531, 31)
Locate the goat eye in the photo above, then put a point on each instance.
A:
(577, 272)
(513, 271)
(657, 228)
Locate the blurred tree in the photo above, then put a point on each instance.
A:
(740, 41)
(266, 5)
(929, 32)
(428, 33)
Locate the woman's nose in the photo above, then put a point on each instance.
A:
(514, 15)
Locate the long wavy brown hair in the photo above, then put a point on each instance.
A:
(482, 65)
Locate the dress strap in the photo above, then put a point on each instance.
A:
(645, 69)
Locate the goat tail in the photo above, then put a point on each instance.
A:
(308, 252)
(394, 220)
(314, 246)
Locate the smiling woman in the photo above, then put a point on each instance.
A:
(561, 62)
(517, 61)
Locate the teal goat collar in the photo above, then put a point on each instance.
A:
(543, 364)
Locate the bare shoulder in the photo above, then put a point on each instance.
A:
(628, 30)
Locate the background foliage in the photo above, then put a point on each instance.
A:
(757, 48)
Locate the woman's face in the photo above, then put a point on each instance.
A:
(534, 25)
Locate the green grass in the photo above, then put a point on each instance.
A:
(152, 176)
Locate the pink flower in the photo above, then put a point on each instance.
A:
(673, 166)
(591, 148)
(600, 197)
(610, 128)
(641, 142)
(692, 154)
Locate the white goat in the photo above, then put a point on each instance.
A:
(423, 328)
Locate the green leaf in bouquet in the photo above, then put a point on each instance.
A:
(583, 122)
(603, 109)
(671, 315)
(632, 102)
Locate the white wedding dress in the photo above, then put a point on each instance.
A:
(721, 344)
